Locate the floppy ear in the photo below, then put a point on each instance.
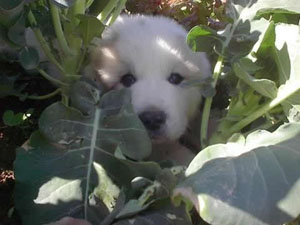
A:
(101, 53)
(104, 62)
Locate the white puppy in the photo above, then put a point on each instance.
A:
(150, 56)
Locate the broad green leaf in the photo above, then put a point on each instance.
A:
(117, 122)
(73, 160)
(29, 58)
(89, 27)
(10, 11)
(251, 181)
(265, 87)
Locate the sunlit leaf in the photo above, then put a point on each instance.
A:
(252, 181)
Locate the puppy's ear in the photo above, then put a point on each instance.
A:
(103, 62)
(102, 53)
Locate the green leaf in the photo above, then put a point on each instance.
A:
(29, 58)
(203, 39)
(10, 11)
(277, 60)
(73, 160)
(280, 7)
(265, 87)
(280, 16)
(85, 99)
(12, 119)
(252, 181)
(89, 27)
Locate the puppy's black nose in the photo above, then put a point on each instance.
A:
(153, 120)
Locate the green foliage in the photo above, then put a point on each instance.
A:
(78, 158)
(253, 180)
(11, 119)
(263, 60)
(63, 31)
(247, 181)
(16, 119)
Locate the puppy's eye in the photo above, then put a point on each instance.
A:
(175, 78)
(127, 80)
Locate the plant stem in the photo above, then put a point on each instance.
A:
(75, 42)
(81, 59)
(107, 10)
(77, 8)
(267, 107)
(91, 159)
(43, 42)
(208, 102)
(117, 11)
(58, 29)
(65, 99)
(53, 80)
(42, 97)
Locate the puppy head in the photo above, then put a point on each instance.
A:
(149, 55)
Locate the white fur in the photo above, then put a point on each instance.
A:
(151, 48)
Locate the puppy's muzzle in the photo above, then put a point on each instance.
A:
(153, 120)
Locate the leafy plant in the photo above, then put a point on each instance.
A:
(64, 44)
(243, 177)
(86, 160)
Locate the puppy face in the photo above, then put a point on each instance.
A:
(149, 55)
